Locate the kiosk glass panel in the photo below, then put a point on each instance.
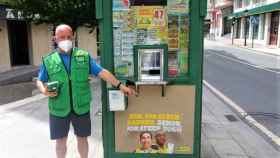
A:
(151, 43)
(151, 22)
(151, 64)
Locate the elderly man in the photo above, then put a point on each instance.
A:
(71, 68)
(161, 142)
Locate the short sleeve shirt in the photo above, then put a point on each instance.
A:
(95, 68)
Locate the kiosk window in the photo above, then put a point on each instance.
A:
(151, 22)
(150, 68)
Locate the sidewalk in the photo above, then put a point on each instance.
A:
(24, 131)
(240, 43)
(18, 74)
(229, 138)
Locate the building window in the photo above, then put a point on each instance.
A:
(256, 26)
(263, 26)
(258, 1)
(247, 26)
(239, 3)
(246, 3)
(238, 27)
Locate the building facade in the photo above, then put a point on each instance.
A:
(24, 43)
(257, 20)
(220, 12)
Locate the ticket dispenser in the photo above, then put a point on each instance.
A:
(150, 65)
(155, 47)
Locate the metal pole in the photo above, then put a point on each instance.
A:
(232, 38)
(253, 37)
(245, 36)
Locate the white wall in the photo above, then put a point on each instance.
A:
(261, 21)
(267, 28)
(5, 63)
(87, 41)
(42, 41)
(41, 37)
(242, 27)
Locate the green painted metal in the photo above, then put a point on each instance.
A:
(194, 77)
(203, 8)
(259, 10)
(99, 9)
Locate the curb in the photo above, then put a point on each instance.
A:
(243, 114)
(257, 51)
(19, 103)
(251, 49)
(36, 95)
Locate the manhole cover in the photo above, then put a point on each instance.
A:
(231, 118)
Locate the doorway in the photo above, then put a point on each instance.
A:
(227, 23)
(274, 28)
(238, 28)
(18, 41)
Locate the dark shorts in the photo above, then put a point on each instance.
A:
(59, 126)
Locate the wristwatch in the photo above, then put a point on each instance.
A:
(119, 84)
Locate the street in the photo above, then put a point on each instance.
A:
(248, 78)
(25, 131)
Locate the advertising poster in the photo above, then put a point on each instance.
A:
(153, 20)
(150, 17)
(178, 6)
(173, 33)
(166, 128)
(120, 4)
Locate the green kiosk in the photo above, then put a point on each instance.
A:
(156, 47)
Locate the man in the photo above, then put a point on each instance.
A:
(145, 140)
(71, 67)
(161, 142)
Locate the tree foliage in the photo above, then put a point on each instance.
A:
(72, 12)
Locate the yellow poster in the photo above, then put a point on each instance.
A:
(150, 17)
(154, 122)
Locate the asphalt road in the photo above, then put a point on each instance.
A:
(250, 79)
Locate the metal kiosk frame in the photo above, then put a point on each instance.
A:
(194, 76)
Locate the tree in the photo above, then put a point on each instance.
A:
(75, 13)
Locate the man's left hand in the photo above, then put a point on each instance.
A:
(127, 91)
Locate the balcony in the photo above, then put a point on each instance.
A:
(223, 3)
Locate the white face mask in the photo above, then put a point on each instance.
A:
(65, 45)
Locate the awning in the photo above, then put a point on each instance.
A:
(258, 10)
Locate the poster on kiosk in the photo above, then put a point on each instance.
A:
(155, 48)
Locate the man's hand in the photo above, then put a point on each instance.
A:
(126, 90)
(44, 89)
(49, 94)
(107, 76)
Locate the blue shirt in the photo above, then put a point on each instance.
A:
(95, 68)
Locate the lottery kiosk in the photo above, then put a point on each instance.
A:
(155, 47)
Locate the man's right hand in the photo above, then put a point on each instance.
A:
(49, 94)
(44, 89)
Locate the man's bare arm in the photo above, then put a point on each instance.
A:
(109, 77)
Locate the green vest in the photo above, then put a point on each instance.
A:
(74, 87)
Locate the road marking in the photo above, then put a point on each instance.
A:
(243, 113)
(258, 67)
(22, 102)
